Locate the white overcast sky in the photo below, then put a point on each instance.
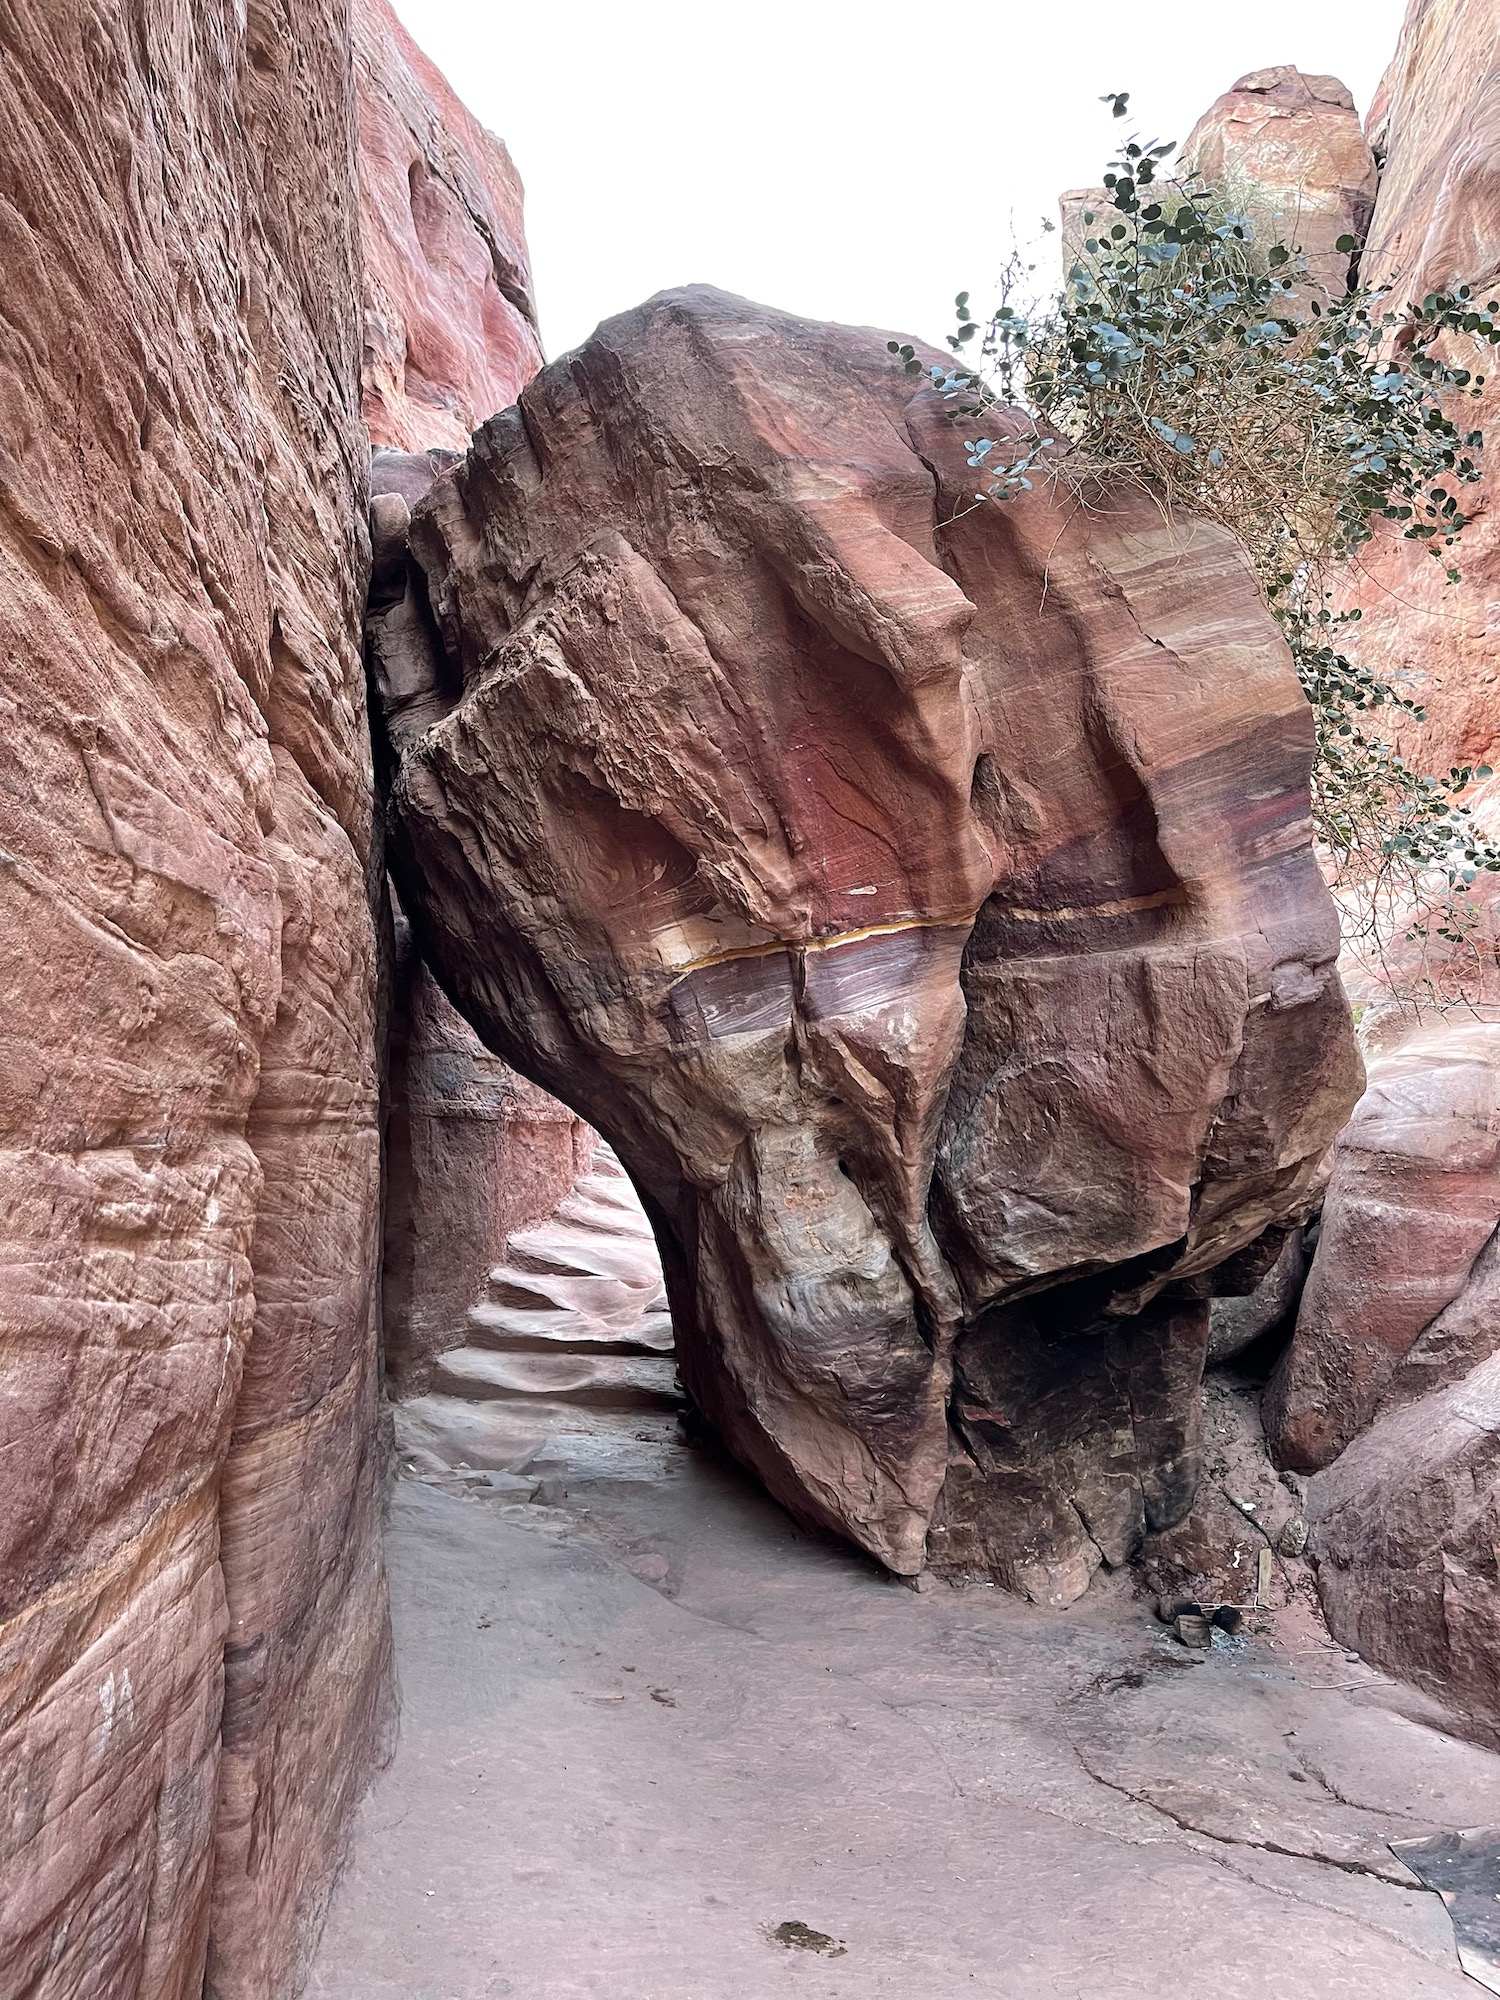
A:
(845, 159)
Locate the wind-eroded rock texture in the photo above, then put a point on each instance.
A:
(918, 896)
(1404, 1287)
(449, 324)
(193, 1633)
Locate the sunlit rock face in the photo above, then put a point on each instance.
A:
(917, 894)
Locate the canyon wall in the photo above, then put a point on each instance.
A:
(1436, 224)
(194, 1654)
(449, 321)
(474, 1150)
(193, 1634)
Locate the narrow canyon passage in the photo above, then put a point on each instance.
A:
(657, 1742)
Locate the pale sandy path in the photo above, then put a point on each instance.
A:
(617, 1788)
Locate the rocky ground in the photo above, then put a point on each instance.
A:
(659, 1744)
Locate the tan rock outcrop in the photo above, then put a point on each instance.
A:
(449, 325)
(1292, 147)
(877, 874)
(193, 1635)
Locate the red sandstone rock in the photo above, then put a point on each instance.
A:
(1414, 1200)
(450, 328)
(887, 894)
(1406, 1533)
(189, 1192)
(1291, 147)
(1287, 150)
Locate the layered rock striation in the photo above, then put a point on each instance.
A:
(917, 896)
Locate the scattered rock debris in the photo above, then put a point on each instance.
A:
(801, 1937)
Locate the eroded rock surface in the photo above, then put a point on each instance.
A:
(1436, 225)
(474, 1152)
(449, 323)
(1406, 1532)
(193, 1632)
(918, 897)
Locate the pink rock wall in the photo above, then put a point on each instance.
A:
(474, 1151)
(193, 1636)
(1436, 224)
(449, 325)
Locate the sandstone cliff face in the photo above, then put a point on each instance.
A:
(900, 922)
(193, 1632)
(449, 324)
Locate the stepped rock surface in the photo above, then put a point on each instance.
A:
(942, 953)
(449, 324)
(474, 1152)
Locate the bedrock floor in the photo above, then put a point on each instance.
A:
(657, 1744)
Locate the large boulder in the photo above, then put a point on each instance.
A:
(1291, 148)
(918, 895)
(1406, 1532)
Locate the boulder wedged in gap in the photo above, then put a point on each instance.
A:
(918, 896)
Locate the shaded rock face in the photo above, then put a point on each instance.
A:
(1293, 145)
(449, 323)
(474, 1152)
(1392, 1381)
(1400, 1296)
(918, 897)
(193, 1633)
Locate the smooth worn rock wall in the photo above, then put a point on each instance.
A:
(449, 322)
(919, 898)
(193, 1634)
